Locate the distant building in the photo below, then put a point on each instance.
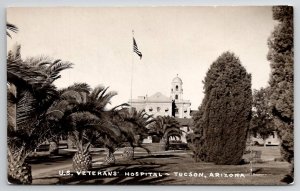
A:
(182, 107)
(272, 140)
(161, 105)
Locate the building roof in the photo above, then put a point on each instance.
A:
(177, 80)
(159, 97)
(155, 98)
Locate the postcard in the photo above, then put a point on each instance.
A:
(165, 95)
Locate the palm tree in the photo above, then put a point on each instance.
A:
(111, 145)
(134, 128)
(30, 93)
(12, 28)
(166, 127)
(82, 113)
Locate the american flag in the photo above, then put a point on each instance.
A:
(136, 49)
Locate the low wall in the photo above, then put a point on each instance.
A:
(154, 147)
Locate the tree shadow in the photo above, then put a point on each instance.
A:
(288, 179)
(157, 156)
(49, 158)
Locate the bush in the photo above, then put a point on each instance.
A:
(224, 116)
(281, 57)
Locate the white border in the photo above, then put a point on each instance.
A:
(89, 3)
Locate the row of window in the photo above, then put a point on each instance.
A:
(176, 88)
(158, 109)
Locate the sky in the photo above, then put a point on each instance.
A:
(173, 40)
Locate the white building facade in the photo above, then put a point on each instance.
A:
(161, 105)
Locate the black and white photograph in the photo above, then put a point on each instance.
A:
(150, 95)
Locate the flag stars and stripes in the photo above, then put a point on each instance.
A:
(136, 49)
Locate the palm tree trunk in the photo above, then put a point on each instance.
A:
(165, 143)
(128, 153)
(265, 143)
(54, 146)
(82, 160)
(12, 108)
(110, 157)
(19, 172)
(70, 141)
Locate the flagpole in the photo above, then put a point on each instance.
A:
(131, 80)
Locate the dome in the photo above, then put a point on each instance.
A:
(177, 80)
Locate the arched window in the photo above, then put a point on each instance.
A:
(176, 96)
(176, 87)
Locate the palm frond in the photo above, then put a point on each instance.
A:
(78, 87)
(96, 91)
(12, 28)
(103, 100)
(56, 67)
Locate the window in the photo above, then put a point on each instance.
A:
(176, 96)
(150, 109)
(176, 110)
(158, 109)
(167, 109)
(176, 87)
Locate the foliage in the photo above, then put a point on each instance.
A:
(82, 111)
(30, 93)
(12, 28)
(261, 122)
(223, 119)
(166, 127)
(33, 95)
(134, 126)
(281, 57)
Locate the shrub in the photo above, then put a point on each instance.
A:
(224, 116)
(281, 57)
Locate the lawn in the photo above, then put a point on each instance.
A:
(173, 167)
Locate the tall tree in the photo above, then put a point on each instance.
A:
(30, 94)
(224, 116)
(261, 122)
(281, 57)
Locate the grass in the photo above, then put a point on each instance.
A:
(267, 172)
